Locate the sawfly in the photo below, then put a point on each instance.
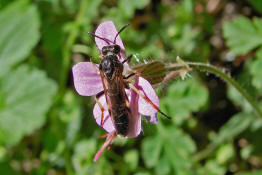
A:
(115, 83)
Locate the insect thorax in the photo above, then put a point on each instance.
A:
(109, 64)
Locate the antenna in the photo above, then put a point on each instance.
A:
(104, 39)
(125, 26)
(107, 40)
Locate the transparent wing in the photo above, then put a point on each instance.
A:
(154, 72)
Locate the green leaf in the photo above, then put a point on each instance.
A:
(238, 99)
(5, 168)
(92, 10)
(243, 35)
(19, 28)
(251, 173)
(171, 145)
(26, 97)
(82, 159)
(131, 157)
(213, 168)
(71, 5)
(84, 152)
(151, 148)
(163, 166)
(178, 148)
(225, 153)
(142, 173)
(186, 42)
(236, 125)
(257, 4)
(70, 113)
(256, 71)
(246, 151)
(184, 97)
(184, 11)
(128, 7)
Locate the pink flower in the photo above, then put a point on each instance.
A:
(87, 82)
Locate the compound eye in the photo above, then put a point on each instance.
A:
(104, 50)
(116, 49)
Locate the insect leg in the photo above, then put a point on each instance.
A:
(95, 68)
(128, 59)
(130, 75)
(148, 100)
(100, 106)
(105, 92)
(109, 139)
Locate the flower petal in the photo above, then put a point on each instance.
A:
(153, 118)
(109, 139)
(135, 120)
(144, 107)
(87, 81)
(107, 122)
(107, 30)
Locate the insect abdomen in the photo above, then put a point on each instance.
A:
(116, 95)
(121, 124)
(120, 112)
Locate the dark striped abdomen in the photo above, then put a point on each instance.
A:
(118, 108)
(116, 97)
(121, 123)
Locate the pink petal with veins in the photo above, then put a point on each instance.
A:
(135, 120)
(107, 122)
(87, 81)
(108, 30)
(153, 118)
(144, 107)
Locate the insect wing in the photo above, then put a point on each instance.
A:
(153, 72)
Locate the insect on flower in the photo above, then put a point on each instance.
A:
(121, 94)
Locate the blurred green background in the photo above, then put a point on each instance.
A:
(47, 128)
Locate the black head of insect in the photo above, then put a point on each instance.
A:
(111, 50)
(110, 60)
(112, 47)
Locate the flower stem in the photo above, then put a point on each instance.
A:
(220, 73)
(226, 77)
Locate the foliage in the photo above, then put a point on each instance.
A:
(16, 16)
(47, 128)
(243, 35)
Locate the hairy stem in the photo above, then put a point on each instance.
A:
(220, 73)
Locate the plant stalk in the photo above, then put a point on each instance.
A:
(224, 76)
(227, 78)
